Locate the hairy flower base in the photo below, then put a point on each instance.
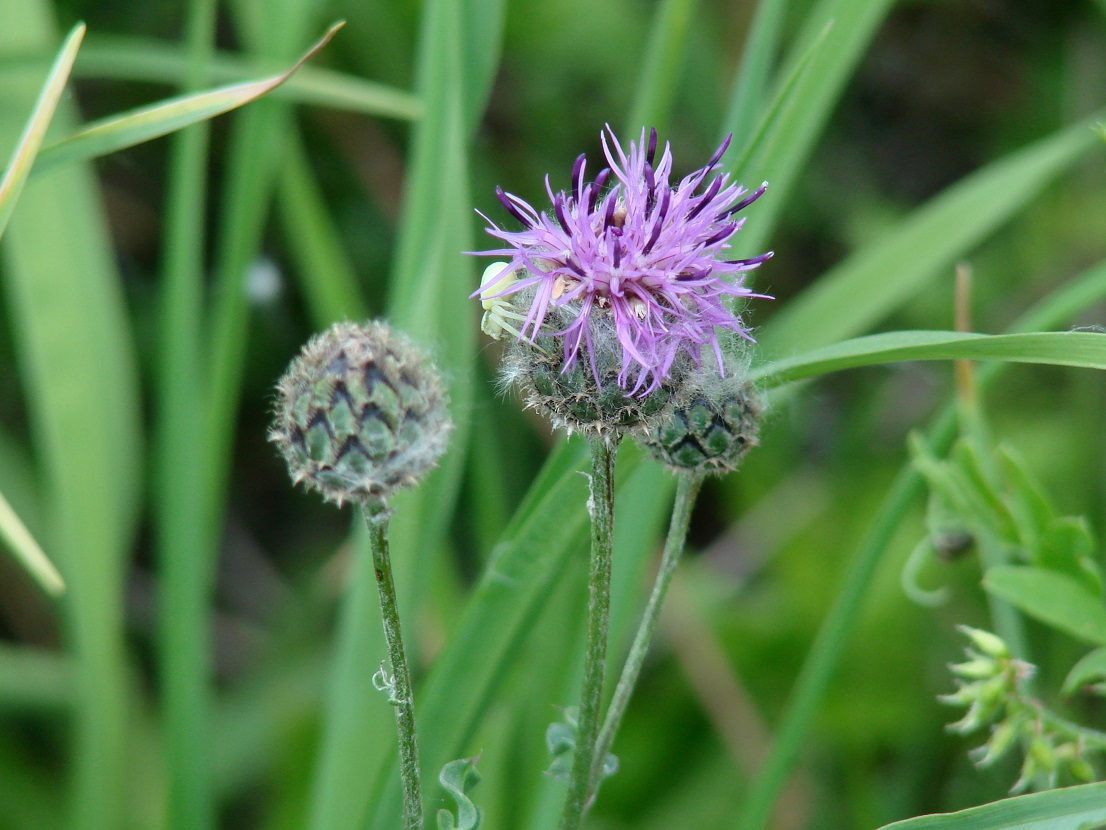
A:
(585, 396)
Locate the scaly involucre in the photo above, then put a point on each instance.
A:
(642, 251)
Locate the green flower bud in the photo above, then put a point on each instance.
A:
(988, 643)
(712, 432)
(977, 668)
(1003, 736)
(361, 412)
(1044, 754)
(1081, 770)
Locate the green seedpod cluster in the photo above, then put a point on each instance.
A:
(361, 412)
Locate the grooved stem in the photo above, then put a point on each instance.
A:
(687, 488)
(376, 518)
(601, 506)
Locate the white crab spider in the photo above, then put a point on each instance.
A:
(498, 311)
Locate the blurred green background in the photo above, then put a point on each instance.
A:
(291, 192)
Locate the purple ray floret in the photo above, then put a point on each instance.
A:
(646, 253)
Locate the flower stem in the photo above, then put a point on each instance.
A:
(601, 505)
(376, 518)
(687, 488)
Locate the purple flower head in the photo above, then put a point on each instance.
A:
(643, 252)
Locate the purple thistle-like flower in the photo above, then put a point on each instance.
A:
(644, 252)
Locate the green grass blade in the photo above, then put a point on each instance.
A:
(878, 278)
(341, 797)
(761, 48)
(76, 363)
(326, 277)
(663, 55)
(754, 144)
(27, 551)
(183, 626)
(147, 60)
(481, 46)
(23, 158)
(792, 137)
(255, 161)
(432, 277)
(146, 123)
(1069, 348)
(35, 680)
(1070, 808)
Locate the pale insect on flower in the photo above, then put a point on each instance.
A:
(498, 310)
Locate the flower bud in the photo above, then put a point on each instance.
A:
(361, 412)
(712, 432)
(1003, 736)
(988, 643)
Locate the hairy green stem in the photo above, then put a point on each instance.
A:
(601, 506)
(687, 488)
(376, 518)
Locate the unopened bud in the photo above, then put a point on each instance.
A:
(712, 432)
(361, 412)
(988, 643)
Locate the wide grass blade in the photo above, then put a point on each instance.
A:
(35, 680)
(126, 130)
(1070, 808)
(432, 278)
(23, 158)
(754, 143)
(879, 277)
(663, 55)
(757, 58)
(1070, 348)
(792, 137)
(326, 276)
(77, 369)
(178, 486)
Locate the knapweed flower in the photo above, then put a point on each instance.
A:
(633, 248)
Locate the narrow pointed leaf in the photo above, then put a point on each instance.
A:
(1070, 348)
(880, 277)
(23, 159)
(126, 130)
(149, 60)
(1090, 669)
